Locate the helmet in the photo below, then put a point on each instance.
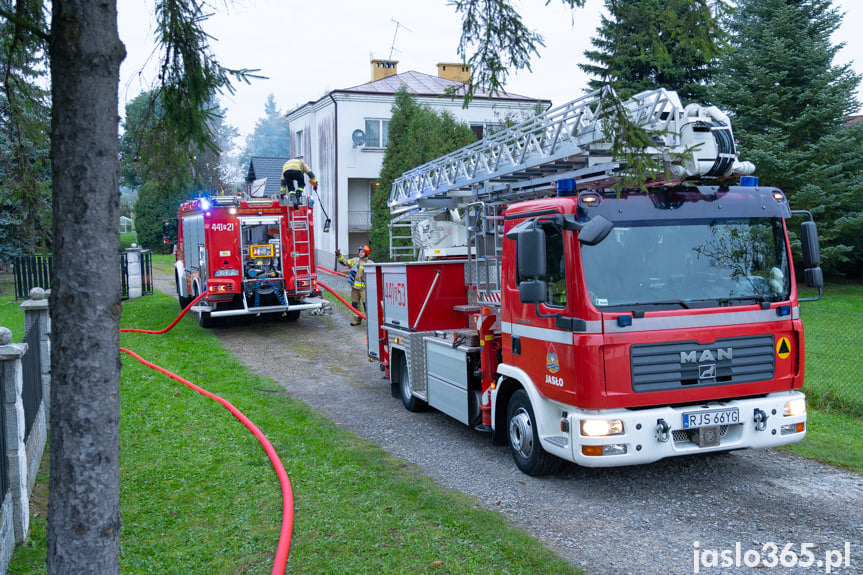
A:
(366, 248)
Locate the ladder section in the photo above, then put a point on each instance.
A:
(485, 224)
(300, 254)
(569, 142)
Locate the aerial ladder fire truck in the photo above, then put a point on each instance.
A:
(250, 255)
(579, 320)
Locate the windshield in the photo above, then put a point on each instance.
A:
(690, 264)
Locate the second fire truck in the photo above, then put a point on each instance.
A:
(250, 255)
(600, 326)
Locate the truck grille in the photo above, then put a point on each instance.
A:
(689, 364)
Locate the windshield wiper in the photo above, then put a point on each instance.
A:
(682, 303)
(755, 298)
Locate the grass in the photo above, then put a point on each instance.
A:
(198, 494)
(834, 340)
(127, 239)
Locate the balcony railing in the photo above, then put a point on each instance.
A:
(359, 221)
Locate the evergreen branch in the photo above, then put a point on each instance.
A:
(22, 22)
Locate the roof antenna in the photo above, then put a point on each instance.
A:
(398, 25)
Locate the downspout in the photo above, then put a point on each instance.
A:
(336, 176)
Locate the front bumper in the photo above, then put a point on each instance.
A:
(656, 433)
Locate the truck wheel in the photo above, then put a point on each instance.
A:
(205, 320)
(184, 301)
(410, 402)
(523, 436)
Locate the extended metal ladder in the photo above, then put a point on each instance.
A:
(570, 142)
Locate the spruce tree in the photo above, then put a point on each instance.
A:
(648, 44)
(789, 103)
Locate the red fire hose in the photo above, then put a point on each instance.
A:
(287, 494)
(341, 299)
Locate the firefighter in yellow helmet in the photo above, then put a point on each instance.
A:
(357, 279)
(293, 179)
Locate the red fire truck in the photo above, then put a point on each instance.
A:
(250, 255)
(603, 327)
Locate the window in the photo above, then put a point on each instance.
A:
(376, 133)
(555, 266)
(298, 144)
(485, 129)
(689, 264)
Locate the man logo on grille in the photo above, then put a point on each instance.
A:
(706, 355)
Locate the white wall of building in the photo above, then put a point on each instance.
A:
(343, 168)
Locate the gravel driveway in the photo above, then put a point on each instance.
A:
(652, 519)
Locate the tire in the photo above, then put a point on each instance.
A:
(411, 402)
(205, 320)
(523, 438)
(184, 301)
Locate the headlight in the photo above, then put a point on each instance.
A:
(794, 407)
(601, 427)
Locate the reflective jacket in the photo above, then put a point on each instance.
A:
(357, 275)
(298, 165)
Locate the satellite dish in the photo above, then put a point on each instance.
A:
(359, 138)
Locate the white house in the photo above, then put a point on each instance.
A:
(343, 135)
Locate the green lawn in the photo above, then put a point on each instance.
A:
(199, 494)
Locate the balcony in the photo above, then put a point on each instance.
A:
(359, 221)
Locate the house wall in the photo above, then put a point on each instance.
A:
(340, 165)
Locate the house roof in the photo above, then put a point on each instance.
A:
(419, 84)
(261, 167)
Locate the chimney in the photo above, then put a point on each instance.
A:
(384, 69)
(457, 72)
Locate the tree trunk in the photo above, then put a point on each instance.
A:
(84, 499)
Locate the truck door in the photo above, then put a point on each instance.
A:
(542, 345)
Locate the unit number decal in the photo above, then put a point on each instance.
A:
(395, 293)
(222, 227)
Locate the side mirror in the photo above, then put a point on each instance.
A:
(813, 277)
(594, 231)
(169, 231)
(532, 291)
(812, 274)
(531, 253)
(809, 243)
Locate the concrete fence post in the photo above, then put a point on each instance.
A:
(16, 452)
(133, 260)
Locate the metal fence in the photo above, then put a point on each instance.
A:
(31, 366)
(30, 272)
(35, 271)
(834, 361)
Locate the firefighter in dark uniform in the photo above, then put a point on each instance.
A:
(293, 179)
(357, 279)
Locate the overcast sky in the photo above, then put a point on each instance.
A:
(309, 48)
